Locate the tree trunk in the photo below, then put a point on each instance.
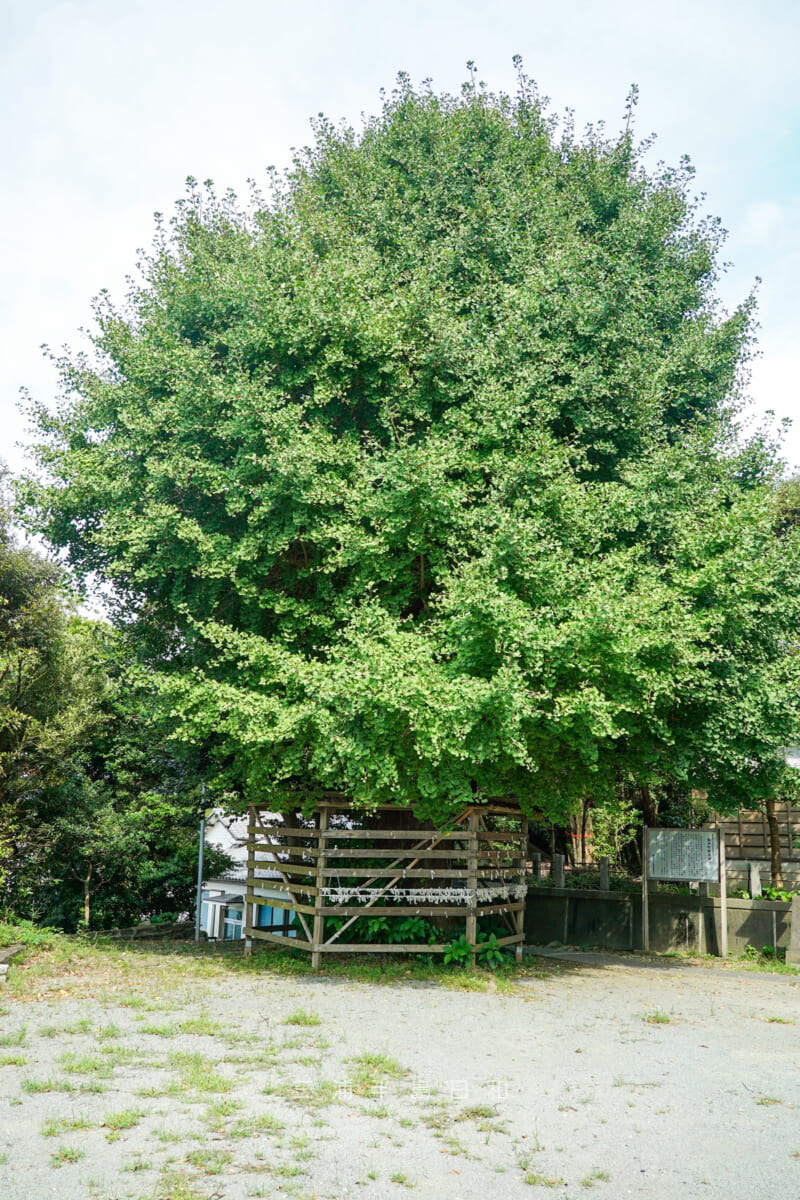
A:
(86, 896)
(649, 808)
(776, 863)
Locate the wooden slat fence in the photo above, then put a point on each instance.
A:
(747, 834)
(327, 868)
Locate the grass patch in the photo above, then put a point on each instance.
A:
(198, 1073)
(535, 1178)
(218, 1112)
(67, 1154)
(17, 1038)
(766, 963)
(12, 1060)
(116, 1122)
(779, 1020)
(656, 1017)
(210, 1162)
(402, 1179)
(769, 1100)
(58, 1125)
(175, 1185)
(86, 1064)
(476, 1112)
(595, 1177)
(318, 1094)
(370, 1069)
(266, 1123)
(137, 1163)
(302, 1016)
(35, 1087)
(108, 1033)
(166, 1031)
(201, 1026)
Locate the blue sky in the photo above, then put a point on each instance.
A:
(107, 105)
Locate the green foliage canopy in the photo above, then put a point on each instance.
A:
(418, 479)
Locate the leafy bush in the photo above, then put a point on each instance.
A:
(37, 937)
(773, 893)
(458, 951)
(398, 930)
(492, 955)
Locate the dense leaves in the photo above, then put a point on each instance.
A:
(98, 815)
(419, 479)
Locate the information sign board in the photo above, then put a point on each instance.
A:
(683, 854)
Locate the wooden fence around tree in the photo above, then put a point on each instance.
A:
(346, 864)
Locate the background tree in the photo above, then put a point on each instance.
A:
(98, 814)
(420, 478)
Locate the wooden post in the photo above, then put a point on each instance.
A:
(558, 870)
(645, 882)
(249, 895)
(523, 863)
(605, 873)
(793, 949)
(319, 901)
(472, 881)
(723, 895)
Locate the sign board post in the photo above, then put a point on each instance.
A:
(645, 884)
(684, 855)
(723, 897)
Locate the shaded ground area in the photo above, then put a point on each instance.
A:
(140, 1074)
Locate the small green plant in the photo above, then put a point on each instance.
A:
(115, 1123)
(67, 1154)
(174, 1185)
(137, 1163)
(57, 1125)
(210, 1162)
(769, 1100)
(201, 1026)
(656, 1017)
(458, 952)
(197, 1073)
(402, 1179)
(371, 1068)
(87, 1064)
(302, 1016)
(492, 955)
(251, 1126)
(107, 1033)
(595, 1177)
(773, 893)
(17, 1038)
(12, 1060)
(35, 1087)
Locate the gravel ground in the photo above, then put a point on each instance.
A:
(653, 1080)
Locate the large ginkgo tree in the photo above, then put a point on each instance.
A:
(419, 478)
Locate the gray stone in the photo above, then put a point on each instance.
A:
(793, 949)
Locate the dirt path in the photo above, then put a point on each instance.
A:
(651, 1082)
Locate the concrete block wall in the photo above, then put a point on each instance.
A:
(688, 924)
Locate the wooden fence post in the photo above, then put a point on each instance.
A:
(472, 881)
(523, 864)
(249, 896)
(319, 899)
